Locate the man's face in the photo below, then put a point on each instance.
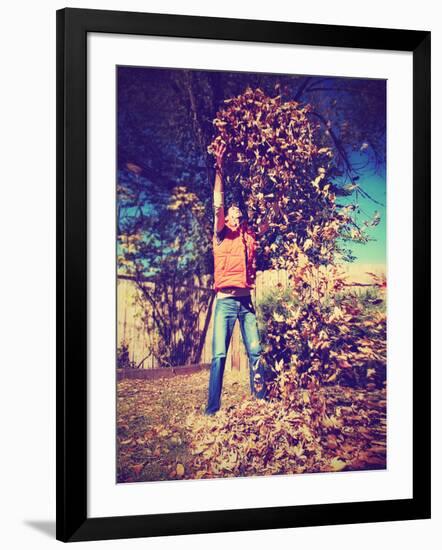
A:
(234, 214)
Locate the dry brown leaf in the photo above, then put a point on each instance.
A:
(337, 464)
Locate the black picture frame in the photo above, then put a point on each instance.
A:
(71, 338)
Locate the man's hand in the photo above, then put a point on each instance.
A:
(219, 150)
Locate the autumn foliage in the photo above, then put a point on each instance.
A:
(324, 344)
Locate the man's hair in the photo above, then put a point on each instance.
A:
(243, 214)
(237, 200)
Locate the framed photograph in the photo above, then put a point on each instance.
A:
(243, 274)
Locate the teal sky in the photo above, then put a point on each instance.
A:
(375, 185)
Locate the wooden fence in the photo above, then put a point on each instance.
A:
(132, 329)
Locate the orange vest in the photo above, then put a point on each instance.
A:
(235, 257)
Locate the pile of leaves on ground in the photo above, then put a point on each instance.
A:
(163, 433)
(328, 430)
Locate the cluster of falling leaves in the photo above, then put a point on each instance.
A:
(163, 433)
(321, 342)
(279, 154)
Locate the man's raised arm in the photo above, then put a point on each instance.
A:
(218, 189)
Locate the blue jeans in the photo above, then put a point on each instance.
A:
(227, 311)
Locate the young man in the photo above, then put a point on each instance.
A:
(234, 246)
